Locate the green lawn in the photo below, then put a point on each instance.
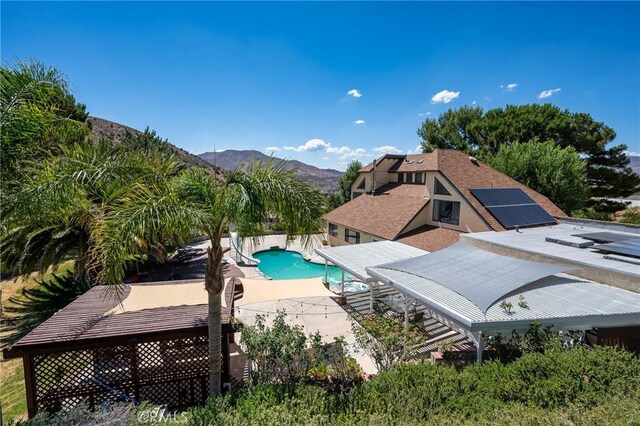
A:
(13, 396)
(14, 402)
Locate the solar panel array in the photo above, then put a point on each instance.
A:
(512, 207)
(605, 237)
(629, 247)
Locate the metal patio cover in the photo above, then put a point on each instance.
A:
(481, 276)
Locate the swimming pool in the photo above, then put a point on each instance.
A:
(288, 265)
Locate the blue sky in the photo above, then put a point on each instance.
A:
(264, 75)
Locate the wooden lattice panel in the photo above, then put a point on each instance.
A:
(165, 372)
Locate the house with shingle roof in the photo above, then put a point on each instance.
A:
(427, 200)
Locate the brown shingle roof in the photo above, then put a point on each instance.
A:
(466, 175)
(385, 214)
(384, 217)
(416, 163)
(430, 238)
(85, 319)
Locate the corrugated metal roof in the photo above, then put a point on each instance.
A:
(356, 258)
(535, 241)
(493, 275)
(561, 300)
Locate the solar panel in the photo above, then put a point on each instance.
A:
(524, 215)
(605, 237)
(490, 197)
(625, 248)
(512, 207)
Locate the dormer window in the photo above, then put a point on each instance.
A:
(401, 177)
(439, 188)
(418, 178)
(361, 186)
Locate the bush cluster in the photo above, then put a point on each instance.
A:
(580, 386)
(576, 387)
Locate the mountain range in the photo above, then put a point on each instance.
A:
(324, 179)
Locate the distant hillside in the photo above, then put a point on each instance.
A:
(115, 132)
(325, 179)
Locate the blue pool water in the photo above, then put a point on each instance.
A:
(288, 265)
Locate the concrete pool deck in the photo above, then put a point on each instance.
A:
(314, 314)
(304, 300)
(259, 291)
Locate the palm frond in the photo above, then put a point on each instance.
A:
(32, 306)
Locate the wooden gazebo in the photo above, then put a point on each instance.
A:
(149, 345)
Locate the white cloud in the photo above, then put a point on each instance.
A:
(444, 97)
(509, 87)
(325, 158)
(422, 114)
(548, 93)
(474, 102)
(355, 93)
(353, 154)
(387, 149)
(417, 150)
(315, 145)
(272, 148)
(633, 153)
(359, 121)
(311, 145)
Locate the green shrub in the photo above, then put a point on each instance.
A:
(631, 216)
(579, 386)
(593, 214)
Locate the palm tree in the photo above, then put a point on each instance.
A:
(52, 217)
(196, 202)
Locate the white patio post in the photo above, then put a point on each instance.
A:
(371, 284)
(342, 283)
(479, 346)
(326, 271)
(406, 312)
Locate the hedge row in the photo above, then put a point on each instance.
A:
(581, 386)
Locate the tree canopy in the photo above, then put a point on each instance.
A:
(37, 114)
(347, 178)
(483, 133)
(536, 165)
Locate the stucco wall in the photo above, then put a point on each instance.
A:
(339, 239)
(470, 220)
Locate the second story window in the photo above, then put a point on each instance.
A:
(418, 178)
(439, 188)
(401, 177)
(408, 178)
(361, 186)
(446, 212)
(351, 236)
(333, 229)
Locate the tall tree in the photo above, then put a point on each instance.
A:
(37, 113)
(347, 178)
(536, 165)
(483, 133)
(52, 216)
(197, 202)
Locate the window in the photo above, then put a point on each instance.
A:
(446, 211)
(440, 189)
(409, 178)
(418, 178)
(361, 186)
(333, 229)
(401, 177)
(352, 237)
